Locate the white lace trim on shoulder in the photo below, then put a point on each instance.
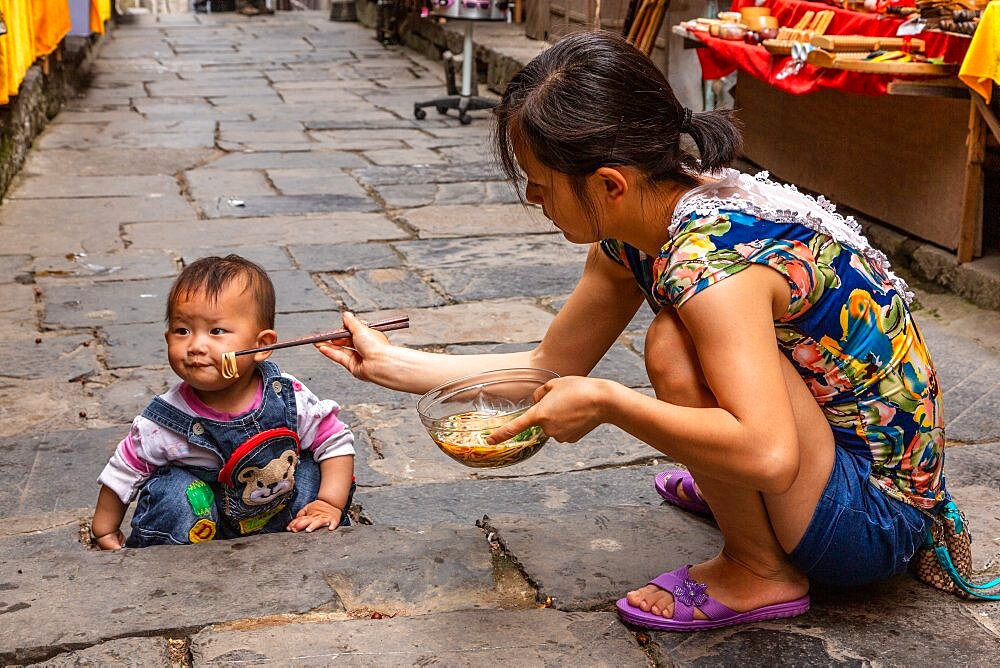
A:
(759, 196)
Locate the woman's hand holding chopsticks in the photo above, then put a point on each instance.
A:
(361, 352)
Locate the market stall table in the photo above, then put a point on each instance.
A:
(904, 150)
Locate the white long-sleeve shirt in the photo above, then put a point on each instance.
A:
(149, 446)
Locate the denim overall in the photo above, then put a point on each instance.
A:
(261, 482)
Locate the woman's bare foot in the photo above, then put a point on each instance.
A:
(730, 582)
(681, 494)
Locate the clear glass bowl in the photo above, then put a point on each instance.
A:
(461, 413)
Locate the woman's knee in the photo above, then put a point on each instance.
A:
(672, 362)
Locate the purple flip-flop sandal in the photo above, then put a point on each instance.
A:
(689, 594)
(667, 483)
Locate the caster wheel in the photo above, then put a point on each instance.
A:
(442, 110)
(419, 113)
(465, 119)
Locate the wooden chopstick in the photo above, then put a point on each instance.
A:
(387, 325)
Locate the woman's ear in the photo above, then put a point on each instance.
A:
(613, 183)
(265, 338)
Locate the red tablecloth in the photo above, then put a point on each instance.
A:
(721, 57)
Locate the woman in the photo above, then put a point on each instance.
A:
(790, 378)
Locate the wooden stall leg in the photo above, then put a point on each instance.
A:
(970, 227)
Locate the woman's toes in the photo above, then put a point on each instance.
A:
(651, 599)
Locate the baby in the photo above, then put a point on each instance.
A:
(219, 457)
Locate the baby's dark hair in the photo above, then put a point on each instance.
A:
(594, 100)
(209, 276)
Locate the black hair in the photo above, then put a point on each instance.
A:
(209, 276)
(593, 100)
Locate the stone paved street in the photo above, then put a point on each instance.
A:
(290, 139)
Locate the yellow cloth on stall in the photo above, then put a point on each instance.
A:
(100, 11)
(17, 47)
(981, 66)
(52, 23)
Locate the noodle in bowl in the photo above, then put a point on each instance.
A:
(460, 414)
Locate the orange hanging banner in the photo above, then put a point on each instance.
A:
(17, 47)
(51, 24)
(100, 11)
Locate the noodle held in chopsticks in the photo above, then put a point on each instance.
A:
(228, 363)
(229, 368)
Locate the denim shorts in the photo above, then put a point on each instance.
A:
(858, 534)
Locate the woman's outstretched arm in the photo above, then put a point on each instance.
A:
(601, 305)
(749, 439)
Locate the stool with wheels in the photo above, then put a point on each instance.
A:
(464, 101)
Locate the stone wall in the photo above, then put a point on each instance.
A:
(46, 86)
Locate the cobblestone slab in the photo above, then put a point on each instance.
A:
(123, 394)
(16, 301)
(211, 184)
(234, 233)
(426, 174)
(67, 212)
(130, 652)
(479, 220)
(487, 638)
(55, 404)
(14, 268)
(104, 303)
(509, 321)
(314, 181)
(178, 139)
(379, 121)
(364, 454)
(404, 156)
(333, 160)
(365, 139)
(324, 112)
(126, 264)
(470, 192)
(55, 470)
(465, 502)
(136, 344)
(50, 187)
(210, 88)
(96, 237)
(265, 141)
(49, 582)
(343, 257)
(497, 267)
(114, 116)
(376, 289)
(586, 560)
(295, 291)
(252, 206)
(51, 355)
(271, 258)
(118, 161)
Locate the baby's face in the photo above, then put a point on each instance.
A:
(201, 330)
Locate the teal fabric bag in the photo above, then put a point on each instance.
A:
(945, 559)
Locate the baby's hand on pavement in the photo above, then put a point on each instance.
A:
(315, 515)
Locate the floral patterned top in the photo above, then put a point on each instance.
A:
(848, 329)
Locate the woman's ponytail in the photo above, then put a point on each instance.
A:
(717, 136)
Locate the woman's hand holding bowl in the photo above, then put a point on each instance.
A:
(567, 409)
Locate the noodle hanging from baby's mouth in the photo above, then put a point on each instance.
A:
(229, 368)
